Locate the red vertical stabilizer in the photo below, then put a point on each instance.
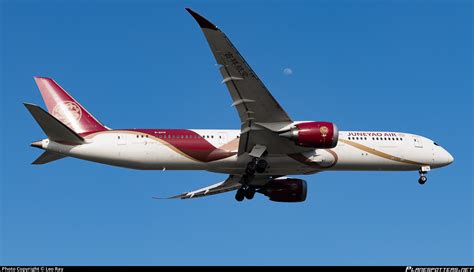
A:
(65, 108)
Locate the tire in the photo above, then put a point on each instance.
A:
(250, 193)
(422, 180)
(261, 166)
(251, 167)
(239, 196)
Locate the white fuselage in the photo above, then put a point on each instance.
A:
(355, 150)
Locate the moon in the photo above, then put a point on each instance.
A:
(287, 71)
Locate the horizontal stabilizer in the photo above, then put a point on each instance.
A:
(47, 157)
(52, 127)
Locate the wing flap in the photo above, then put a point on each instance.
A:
(230, 184)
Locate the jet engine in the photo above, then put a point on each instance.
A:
(285, 190)
(313, 134)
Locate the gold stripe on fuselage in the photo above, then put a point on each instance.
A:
(379, 153)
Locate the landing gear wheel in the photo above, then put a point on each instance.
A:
(261, 166)
(239, 196)
(422, 180)
(251, 167)
(250, 193)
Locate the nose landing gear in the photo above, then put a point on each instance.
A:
(423, 171)
(422, 179)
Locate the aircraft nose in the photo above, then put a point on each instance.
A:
(445, 157)
(450, 157)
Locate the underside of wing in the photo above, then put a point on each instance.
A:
(230, 184)
(233, 182)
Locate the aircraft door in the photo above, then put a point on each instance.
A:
(417, 142)
(121, 140)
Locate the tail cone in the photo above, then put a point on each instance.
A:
(37, 144)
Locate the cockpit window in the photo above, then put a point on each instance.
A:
(436, 144)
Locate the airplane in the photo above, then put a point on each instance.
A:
(260, 157)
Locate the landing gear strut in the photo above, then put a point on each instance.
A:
(423, 171)
(246, 191)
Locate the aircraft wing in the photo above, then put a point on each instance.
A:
(257, 108)
(230, 184)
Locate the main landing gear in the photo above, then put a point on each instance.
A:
(423, 171)
(256, 165)
(247, 191)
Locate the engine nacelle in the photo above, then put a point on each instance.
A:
(286, 190)
(313, 134)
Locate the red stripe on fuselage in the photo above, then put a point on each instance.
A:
(186, 141)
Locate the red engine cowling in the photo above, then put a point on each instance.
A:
(313, 134)
(286, 190)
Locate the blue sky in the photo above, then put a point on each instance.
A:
(365, 65)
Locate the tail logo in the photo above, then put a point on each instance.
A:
(67, 112)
